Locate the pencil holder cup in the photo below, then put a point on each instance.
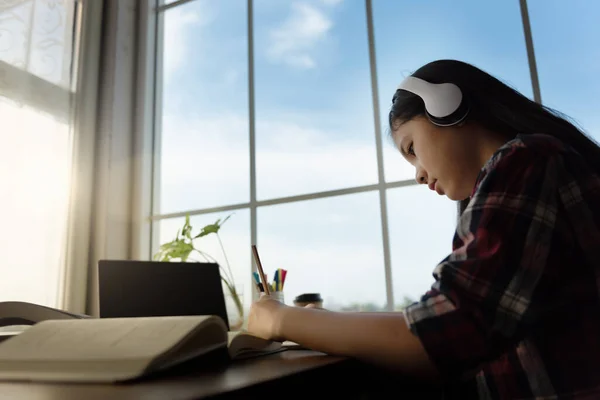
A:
(278, 296)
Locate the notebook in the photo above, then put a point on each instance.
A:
(120, 349)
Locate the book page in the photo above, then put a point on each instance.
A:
(99, 339)
(245, 337)
(243, 343)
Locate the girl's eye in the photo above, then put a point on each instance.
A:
(411, 150)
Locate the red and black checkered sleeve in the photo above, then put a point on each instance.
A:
(491, 289)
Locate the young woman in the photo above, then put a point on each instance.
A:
(516, 305)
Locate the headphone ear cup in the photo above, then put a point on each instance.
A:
(457, 117)
(445, 103)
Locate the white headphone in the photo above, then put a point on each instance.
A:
(445, 104)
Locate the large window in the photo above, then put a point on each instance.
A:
(37, 47)
(266, 109)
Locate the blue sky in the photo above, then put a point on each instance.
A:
(315, 123)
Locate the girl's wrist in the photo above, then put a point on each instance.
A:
(279, 326)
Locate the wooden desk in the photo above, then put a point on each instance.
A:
(234, 380)
(289, 374)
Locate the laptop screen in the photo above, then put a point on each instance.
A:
(149, 288)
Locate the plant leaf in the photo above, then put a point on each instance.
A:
(176, 249)
(212, 228)
(187, 228)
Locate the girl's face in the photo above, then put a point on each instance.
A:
(446, 159)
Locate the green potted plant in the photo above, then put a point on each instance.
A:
(183, 248)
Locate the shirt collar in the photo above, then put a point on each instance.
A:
(491, 162)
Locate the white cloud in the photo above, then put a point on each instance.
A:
(294, 42)
(332, 2)
(177, 41)
(177, 23)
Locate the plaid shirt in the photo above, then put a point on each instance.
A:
(517, 302)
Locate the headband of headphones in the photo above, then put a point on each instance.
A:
(445, 104)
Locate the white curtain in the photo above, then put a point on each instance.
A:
(37, 80)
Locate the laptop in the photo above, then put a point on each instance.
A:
(150, 289)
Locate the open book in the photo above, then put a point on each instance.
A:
(119, 349)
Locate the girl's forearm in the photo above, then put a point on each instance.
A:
(382, 339)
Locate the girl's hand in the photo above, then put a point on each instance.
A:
(265, 318)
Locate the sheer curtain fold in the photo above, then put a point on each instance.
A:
(36, 127)
(111, 228)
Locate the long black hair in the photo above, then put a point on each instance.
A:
(496, 106)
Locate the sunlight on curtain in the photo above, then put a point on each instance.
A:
(36, 57)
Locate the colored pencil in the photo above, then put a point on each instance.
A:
(260, 269)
